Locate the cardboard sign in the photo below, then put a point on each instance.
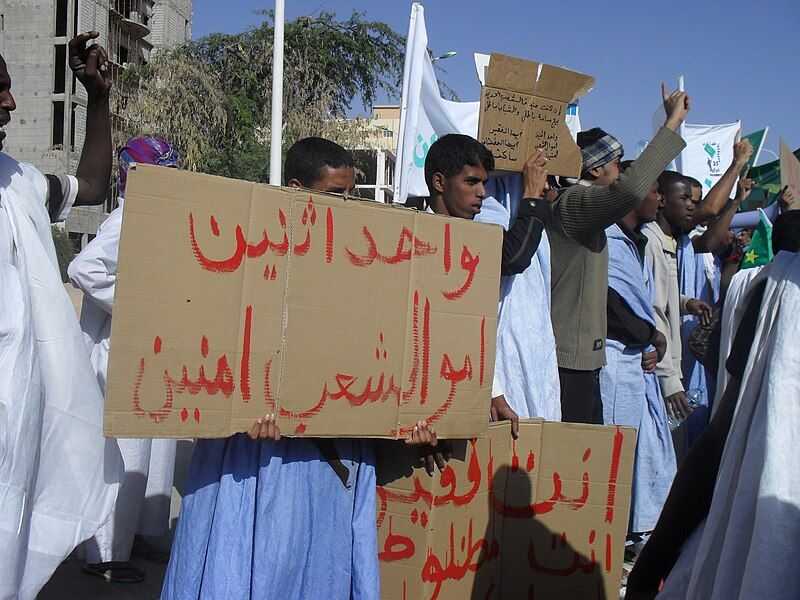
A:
(790, 173)
(524, 107)
(345, 317)
(544, 516)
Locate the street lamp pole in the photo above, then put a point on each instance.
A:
(276, 128)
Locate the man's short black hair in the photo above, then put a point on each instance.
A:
(693, 182)
(451, 153)
(306, 159)
(786, 232)
(669, 179)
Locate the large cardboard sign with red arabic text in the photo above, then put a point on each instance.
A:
(344, 317)
(544, 516)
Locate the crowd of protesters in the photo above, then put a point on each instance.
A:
(623, 301)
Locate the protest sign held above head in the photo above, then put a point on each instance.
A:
(790, 171)
(543, 516)
(524, 108)
(344, 317)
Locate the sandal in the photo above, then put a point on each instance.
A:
(116, 572)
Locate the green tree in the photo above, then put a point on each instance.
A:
(218, 113)
(65, 250)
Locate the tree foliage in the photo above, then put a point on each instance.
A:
(212, 98)
(65, 251)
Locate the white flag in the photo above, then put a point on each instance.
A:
(424, 114)
(709, 151)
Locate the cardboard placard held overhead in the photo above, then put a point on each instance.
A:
(790, 173)
(543, 516)
(347, 318)
(524, 107)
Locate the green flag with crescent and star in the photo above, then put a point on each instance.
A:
(760, 250)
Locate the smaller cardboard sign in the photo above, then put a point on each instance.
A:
(524, 107)
(790, 173)
(543, 516)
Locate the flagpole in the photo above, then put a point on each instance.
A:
(276, 127)
(401, 134)
(681, 88)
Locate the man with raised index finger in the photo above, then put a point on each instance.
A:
(57, 484)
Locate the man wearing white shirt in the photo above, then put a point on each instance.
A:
(143, 503)
(56, 483)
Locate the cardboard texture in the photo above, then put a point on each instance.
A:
(790, 173)
(524, 107)
(347, 318)
(544, 516)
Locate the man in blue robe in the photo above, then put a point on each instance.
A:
(269, 517)
(628, 383)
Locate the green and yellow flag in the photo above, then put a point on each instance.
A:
(760, 250)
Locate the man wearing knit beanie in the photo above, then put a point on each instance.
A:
(579, 256)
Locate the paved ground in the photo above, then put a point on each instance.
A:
(69, 583)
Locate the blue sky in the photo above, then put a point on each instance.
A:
(740, 59)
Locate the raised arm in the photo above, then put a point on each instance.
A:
(715, 238)
(90, 66)
(522, 239)
(586, 210)
(718, 196)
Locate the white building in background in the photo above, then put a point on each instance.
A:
(375, 176)
(376, 160)
(47, 129)
(383, 126)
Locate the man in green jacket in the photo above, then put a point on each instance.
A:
(579, 255)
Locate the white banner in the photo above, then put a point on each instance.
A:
(425, 116)
(709, 151)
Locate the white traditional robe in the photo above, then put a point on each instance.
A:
(144, 499)
(526, 370)
(57, 486)
(739, 289)
(748, 546)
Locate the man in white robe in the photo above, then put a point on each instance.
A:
(56, 484)
(526, 369)
(731, 526)
(143, 502)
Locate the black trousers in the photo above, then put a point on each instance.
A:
(580, 396)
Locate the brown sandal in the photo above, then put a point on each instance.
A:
(116, 572)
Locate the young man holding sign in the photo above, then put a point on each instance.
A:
(457, 170)
(271, 517)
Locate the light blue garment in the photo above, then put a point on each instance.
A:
(525, 362)
(272, 520)
(708, 276)
(633, 397)
(691, 280)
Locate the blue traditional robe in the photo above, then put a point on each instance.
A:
(526, 370)
(264, 519)
(693, 282)
(633, 397)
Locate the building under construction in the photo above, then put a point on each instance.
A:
(48, 126)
